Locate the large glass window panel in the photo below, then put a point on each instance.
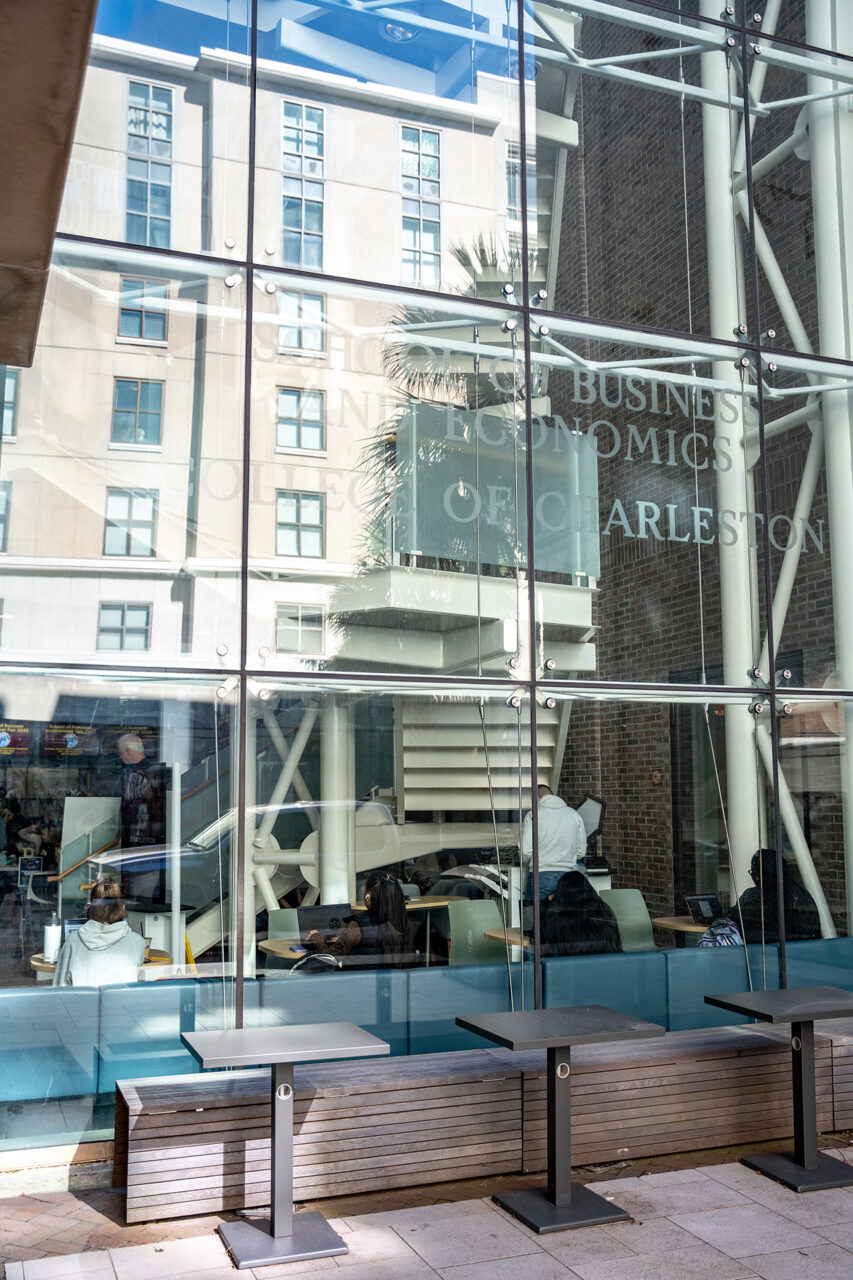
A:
(128, 461)
(647, 507)
(160, 154)
(801, 144)
(125, 782)
(637, 130)
(675, 803)
(383, 839)
(399, 135)
(814, 791)
(806, 410)
(416, 507)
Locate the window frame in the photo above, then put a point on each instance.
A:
(148, 158)
(299, 447)
(5, 509)
(131, 494)
(13, 376)
(124, 605)
(298, 609)
(419, 280)
(137, 443)
(301, 325)
(144, 311)
(300, 171)
(299, 525)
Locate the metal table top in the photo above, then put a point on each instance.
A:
(794, 1004)
(262, 1046)
(549, 1028)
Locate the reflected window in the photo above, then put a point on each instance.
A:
(5, 500)
(514, 210)
(10, 403)
(137, 409)
(124, 626)
(300, 419)
(420, 184)
(302, 320)
(149, 169)
(299, 524)
(143, 310)
(299, 628)
(131, 515)
(303, 147)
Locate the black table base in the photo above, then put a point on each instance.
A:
(536, 1211)
(251, 1244)
(783, 1167)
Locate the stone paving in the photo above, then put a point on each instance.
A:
(720, 1222)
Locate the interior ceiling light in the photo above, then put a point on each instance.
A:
(397, 33)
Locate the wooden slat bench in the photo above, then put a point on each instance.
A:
(200, 1143)
(687, 1091)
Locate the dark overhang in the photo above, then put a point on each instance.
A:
(43, 54)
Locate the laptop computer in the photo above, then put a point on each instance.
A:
(703, 907)
(327, 919)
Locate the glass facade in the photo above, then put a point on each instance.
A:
(425, 530)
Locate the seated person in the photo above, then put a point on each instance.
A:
(756, 912)
(106, 949)
(575, 921)
(378, 938)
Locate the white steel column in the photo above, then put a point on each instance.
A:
(250, 913)
(335, 801)
(176, 737)
(829, 25)
(724, 277)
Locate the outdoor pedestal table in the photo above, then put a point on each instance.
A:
(284, 1236)
(562, 1203)
(805, 1168)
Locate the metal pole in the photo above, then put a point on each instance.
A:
(829, 25)
(805, 1106)
(281, 1150)
(249, 773)
(736, 596)
(559, 1125)
(178, 946)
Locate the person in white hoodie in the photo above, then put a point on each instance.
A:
(562, 841)
(105, 950)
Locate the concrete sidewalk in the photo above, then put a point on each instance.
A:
(721, 1222)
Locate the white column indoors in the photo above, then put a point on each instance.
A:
(336, 800)
(829, 24)
(743, 799)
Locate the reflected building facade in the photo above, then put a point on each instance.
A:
(428, 405)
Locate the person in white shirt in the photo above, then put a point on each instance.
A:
(562, 841)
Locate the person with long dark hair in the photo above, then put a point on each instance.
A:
(576, 922)
(377, 938)
(756, 912)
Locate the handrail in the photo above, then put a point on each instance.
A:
(88, 858)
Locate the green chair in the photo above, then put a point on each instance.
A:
(469, 920)
(283, 923)
(632, 918)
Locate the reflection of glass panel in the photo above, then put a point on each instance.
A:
(108, 793)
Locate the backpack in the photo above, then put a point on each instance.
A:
(721, 932)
